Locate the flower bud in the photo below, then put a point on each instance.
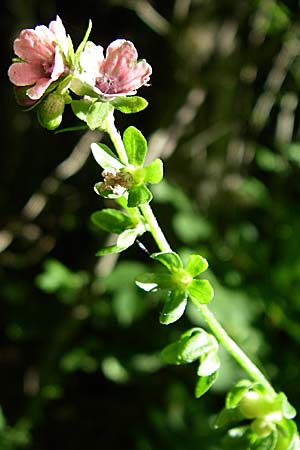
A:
(50, 111)
(254, 405)
(262, 427)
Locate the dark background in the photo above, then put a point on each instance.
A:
(79, 364)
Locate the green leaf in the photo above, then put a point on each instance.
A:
(135, 145)
(288, 437)
(196, 264)
(112, 220)
(235, 395)
(196, 346)
(130, 105)
(80, 108)
(237, 392)
(105, 157)
(127, 238)
(97, 113)
(228, 417)
(80, 88)
(174, 307)
(204, 384)
(267, 443)
(288, 411)
(170, 260)
(170, 354)
(154, 172)
(153, 281)
(209, 363)
(201, 291)
(111, 249)
(139, 195)
(84, 41)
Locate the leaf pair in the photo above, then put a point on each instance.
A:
(127, 225)
(180, 283)
(94, 112)
(196, 344)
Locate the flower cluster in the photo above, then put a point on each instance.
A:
(47, 64)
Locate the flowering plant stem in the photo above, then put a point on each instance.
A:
(220, 333)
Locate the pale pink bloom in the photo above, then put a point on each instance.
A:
(118, 73)
(43, 52)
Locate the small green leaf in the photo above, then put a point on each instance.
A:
(112, 220)
(135, 145)
(80, 108)
(139, 195)
(84, 40)
(209, 363)
(237, 392)
(130, 105)
(170, 260)
(267, 443)
(111, 249)
(153, 281)
(288, 411)
(195, 346)
(154, 172)
(174, 307)
(170, 354)
(97, 113)
(196, 264)
(201, 291)
(204, 384)
(105, 157)
(127, 238)
(80, 88)
(228, 417)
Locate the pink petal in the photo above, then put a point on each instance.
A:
(138, 76)
(24, 74)
(120, 56)
(39, 88)
(34, 46)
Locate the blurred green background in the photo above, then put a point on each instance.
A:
(80, 343)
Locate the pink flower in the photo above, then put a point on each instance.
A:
(119, 73)
(43, 52)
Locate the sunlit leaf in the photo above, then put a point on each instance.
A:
(130, 105)
(154, 172)
(139, 195)
(204, 384)
(173, 308)
(105, 157)
(196, 264)
(201, 291)
(171, 260)
(135, 145)
(209, 363)
(97, 114)
(111, 220)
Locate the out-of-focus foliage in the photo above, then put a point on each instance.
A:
(80, 342)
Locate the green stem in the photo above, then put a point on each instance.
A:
(116, 138)
(155, 229)
(231, 346)
(233, 349)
